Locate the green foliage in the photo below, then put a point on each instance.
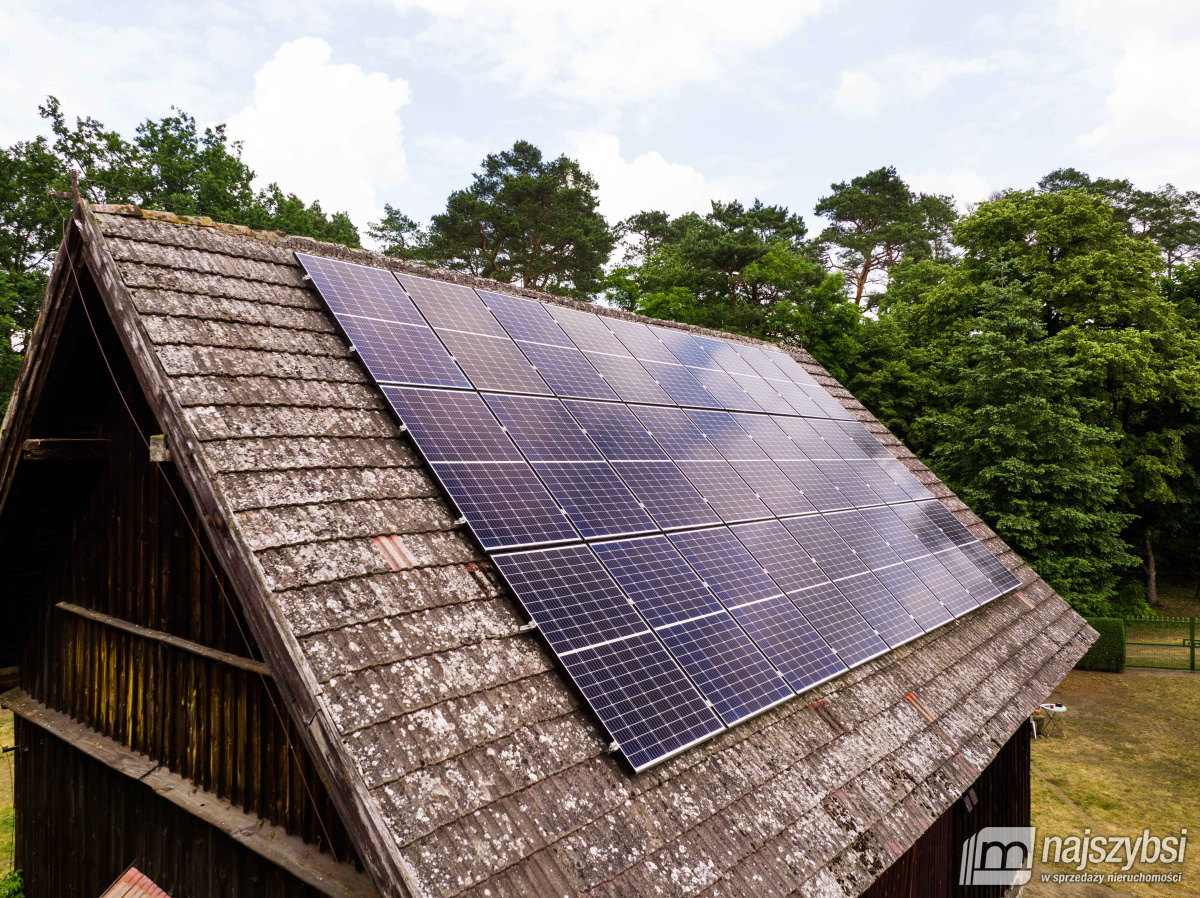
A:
(1049, 379)
(170, 164)
(1108, 652)
(745, 270)
(30, 229)
(523, 219)
(875, 222)
(174, 166)
(12, 885)
(1015, 447)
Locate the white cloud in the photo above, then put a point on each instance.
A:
(909, 75)
(1152, 130)
(857, 96)
(115, 71)
(325, 131)
(966, 186)
(646, 182)
(606, 53)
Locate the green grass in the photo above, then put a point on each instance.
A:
(7, 815)
(1128, 760)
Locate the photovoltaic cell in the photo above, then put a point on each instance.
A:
(725, 390)
(661, 584)
(778, 553)
(817, 488)
(667, 494)
(724, 355)
(904, 478)
(571, 597)
(762, 393)
(524, 320)
(878, 480)
(543, 429)
(755, 601)
(839, 623)
(639, 693)
(452, 426)
(493, 363)
(505, 504)
(360, 291)
(684, 348)
(669, 637)
(726, 666)
(891, 621)
(841, 475)
(710, 646)
(827, 549)
(991, 567)
(908, 589)
(491, 483)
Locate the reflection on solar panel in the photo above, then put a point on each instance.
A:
(697, 527)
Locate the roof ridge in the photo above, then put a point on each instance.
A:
(362, 256)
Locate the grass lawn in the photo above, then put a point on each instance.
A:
(6, 793)
(1129, 759)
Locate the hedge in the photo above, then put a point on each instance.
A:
(1108, 652)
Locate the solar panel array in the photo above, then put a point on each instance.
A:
(697, 528)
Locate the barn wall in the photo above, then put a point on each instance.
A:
(930, 868)
(92, 823)
(122, 538)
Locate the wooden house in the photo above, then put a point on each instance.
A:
(259, 656)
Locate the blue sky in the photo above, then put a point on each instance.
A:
(669, 103)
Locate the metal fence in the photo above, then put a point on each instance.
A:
(1160, 642)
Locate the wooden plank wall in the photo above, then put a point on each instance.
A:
(930, 868)
(92, 822)
(126, 543)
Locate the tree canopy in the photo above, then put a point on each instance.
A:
(524, 219)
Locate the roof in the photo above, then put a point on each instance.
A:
(457, 754)
(134, 884)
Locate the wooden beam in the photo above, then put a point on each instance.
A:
(239, 661)
(294, 676)
(65, 449)
(288, 852)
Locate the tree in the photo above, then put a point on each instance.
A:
(170, 165)
(875, 221)
(173, 166)
(30, 230)
(397, 234)
(1127, 357)
(523, 219)
(1015, 445)
(743, 269)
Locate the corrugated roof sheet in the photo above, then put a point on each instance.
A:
(488, 775)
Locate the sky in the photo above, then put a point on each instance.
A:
(670, 104)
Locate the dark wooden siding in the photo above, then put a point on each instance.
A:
(121, 537)
(84, 824)
(930, 868)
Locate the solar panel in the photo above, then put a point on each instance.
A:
(755, 602)
(839, 623)
(710, 646)
(360, 291)
(890, 619)
(849, 484)
(677, 513)
(667, 494)
(631, 681)
(483, 472)
(770, 484)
